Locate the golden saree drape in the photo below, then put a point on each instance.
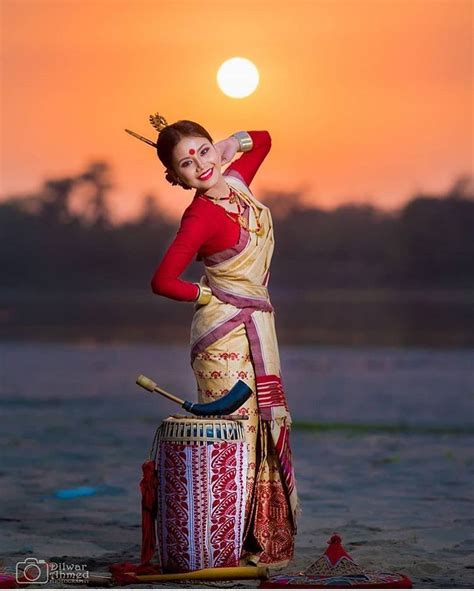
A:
(233, 337)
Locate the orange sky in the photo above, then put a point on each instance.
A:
(365, 100)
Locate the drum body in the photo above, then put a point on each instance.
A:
(202, 467)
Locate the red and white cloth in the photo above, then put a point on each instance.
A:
(201, 504)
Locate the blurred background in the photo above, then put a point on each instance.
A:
(369, 104)
(370, 183)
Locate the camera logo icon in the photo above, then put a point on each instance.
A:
(32, 570)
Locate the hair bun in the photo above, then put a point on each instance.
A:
(174, 181)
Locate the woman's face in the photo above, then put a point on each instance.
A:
(197, 163)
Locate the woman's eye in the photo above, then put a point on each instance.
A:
(204, 151)
(185, 163)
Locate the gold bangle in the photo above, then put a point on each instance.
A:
(205, 294)
(245, 141)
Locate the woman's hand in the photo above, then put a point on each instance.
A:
(227, 149)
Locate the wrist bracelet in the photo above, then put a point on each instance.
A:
(245, 141)
(204, 295)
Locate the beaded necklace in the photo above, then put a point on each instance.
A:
(239, 199)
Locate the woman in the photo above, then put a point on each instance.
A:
(233, 333)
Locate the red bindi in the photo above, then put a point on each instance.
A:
(192, 151)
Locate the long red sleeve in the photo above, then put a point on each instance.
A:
(247, 165)
(205, 228)
(194, 231)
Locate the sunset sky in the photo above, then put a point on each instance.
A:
(365, 100)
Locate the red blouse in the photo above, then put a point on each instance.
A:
(205, 228)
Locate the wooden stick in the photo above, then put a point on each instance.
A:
(151, 386)
(210, 574)
(205, 574)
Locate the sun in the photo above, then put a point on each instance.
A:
(238, 77)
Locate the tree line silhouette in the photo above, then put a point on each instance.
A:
(62, 237)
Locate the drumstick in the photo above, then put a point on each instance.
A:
(227, 404)
(152, 386)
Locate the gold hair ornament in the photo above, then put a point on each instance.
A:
(140, 137)
(158, 122)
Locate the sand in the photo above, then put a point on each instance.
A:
(402, 501)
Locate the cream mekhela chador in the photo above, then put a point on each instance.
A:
(233, 337)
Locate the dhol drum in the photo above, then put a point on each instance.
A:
(202, 466)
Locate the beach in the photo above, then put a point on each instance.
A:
(382, 443)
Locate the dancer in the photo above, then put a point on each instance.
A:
(233, 332)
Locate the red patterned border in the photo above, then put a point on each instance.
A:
(201, 504)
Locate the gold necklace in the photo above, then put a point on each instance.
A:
(235, 197)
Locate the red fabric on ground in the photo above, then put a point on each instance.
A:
(375, 580)
(148, 487)
(120, 572)
(8, 581)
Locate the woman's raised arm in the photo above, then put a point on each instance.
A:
(245, 167)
